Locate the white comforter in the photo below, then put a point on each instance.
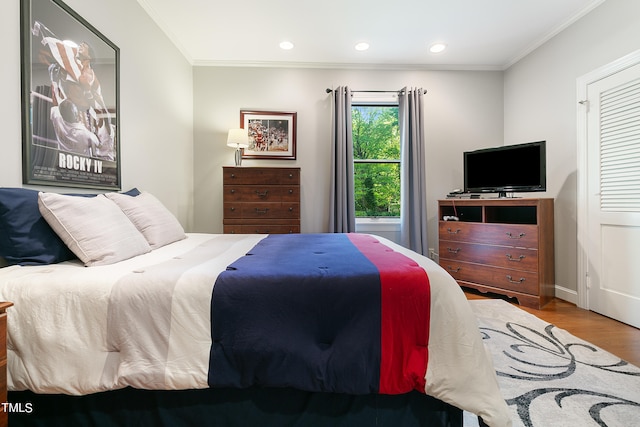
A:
(145, 323)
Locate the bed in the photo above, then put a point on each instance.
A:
(143, 324)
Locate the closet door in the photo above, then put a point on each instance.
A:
(613, 195)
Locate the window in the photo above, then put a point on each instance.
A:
(376, 158)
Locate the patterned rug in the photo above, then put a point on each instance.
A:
(551, 378)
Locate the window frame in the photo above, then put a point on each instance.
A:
(377, 100)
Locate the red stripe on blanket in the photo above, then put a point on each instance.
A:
(406, 309)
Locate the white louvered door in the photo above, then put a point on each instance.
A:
(613, 138)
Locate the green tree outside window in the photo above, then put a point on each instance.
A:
(376, 153)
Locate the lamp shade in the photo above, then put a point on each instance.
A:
(238, 138)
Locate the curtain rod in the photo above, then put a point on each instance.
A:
(375, 91)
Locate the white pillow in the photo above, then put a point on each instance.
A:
(94, 228)
(150, 217)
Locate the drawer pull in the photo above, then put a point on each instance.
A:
(290, 175)
(520, 258)
(455, 270)
(233, 209)
(450, 231)
(290, 209)
(233, 175)
(519, 236)
(453, 251)
(290, 191)
(262, 211)
(510, 279)
(233, 191)
(262, 194)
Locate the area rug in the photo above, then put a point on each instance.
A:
(550, 378)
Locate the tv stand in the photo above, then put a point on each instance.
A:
(503, 246)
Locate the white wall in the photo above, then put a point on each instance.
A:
(463, 110)
(156, 108)
(540, 103)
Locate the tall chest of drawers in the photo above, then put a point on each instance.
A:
(503, 246)
(261, 200)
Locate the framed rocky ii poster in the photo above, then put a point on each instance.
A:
(70, 91)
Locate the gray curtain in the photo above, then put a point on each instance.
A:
(413, 211)
(342, 216)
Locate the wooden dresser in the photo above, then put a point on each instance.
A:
(261, 200)
(3, 361)
(504, 246)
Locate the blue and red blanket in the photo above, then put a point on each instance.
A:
(339, 313)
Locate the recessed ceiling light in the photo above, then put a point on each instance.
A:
(286, 45)
(437, 47)
(362, 46)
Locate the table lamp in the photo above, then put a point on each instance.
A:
(238, 139)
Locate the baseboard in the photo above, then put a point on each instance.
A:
(568, 295)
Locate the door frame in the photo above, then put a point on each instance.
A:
(582, 85)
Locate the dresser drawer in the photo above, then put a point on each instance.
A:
(261, 193)
(273, 176)
(518, 235)
(520, 281)
(262, 229)
(499, 256)
(265, 210)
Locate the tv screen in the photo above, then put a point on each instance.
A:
(511, 168)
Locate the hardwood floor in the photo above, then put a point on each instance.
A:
(610, 335)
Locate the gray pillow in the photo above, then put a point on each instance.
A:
(150, 217)
(94, 228)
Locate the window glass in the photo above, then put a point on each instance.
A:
(376, 156)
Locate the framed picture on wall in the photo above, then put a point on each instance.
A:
(272, 134)
(70, 99)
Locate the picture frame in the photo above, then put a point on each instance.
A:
(70, 99)
(272, 134)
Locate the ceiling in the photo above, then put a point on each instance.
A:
(480, 34)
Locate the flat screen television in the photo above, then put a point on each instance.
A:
(506, 169)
